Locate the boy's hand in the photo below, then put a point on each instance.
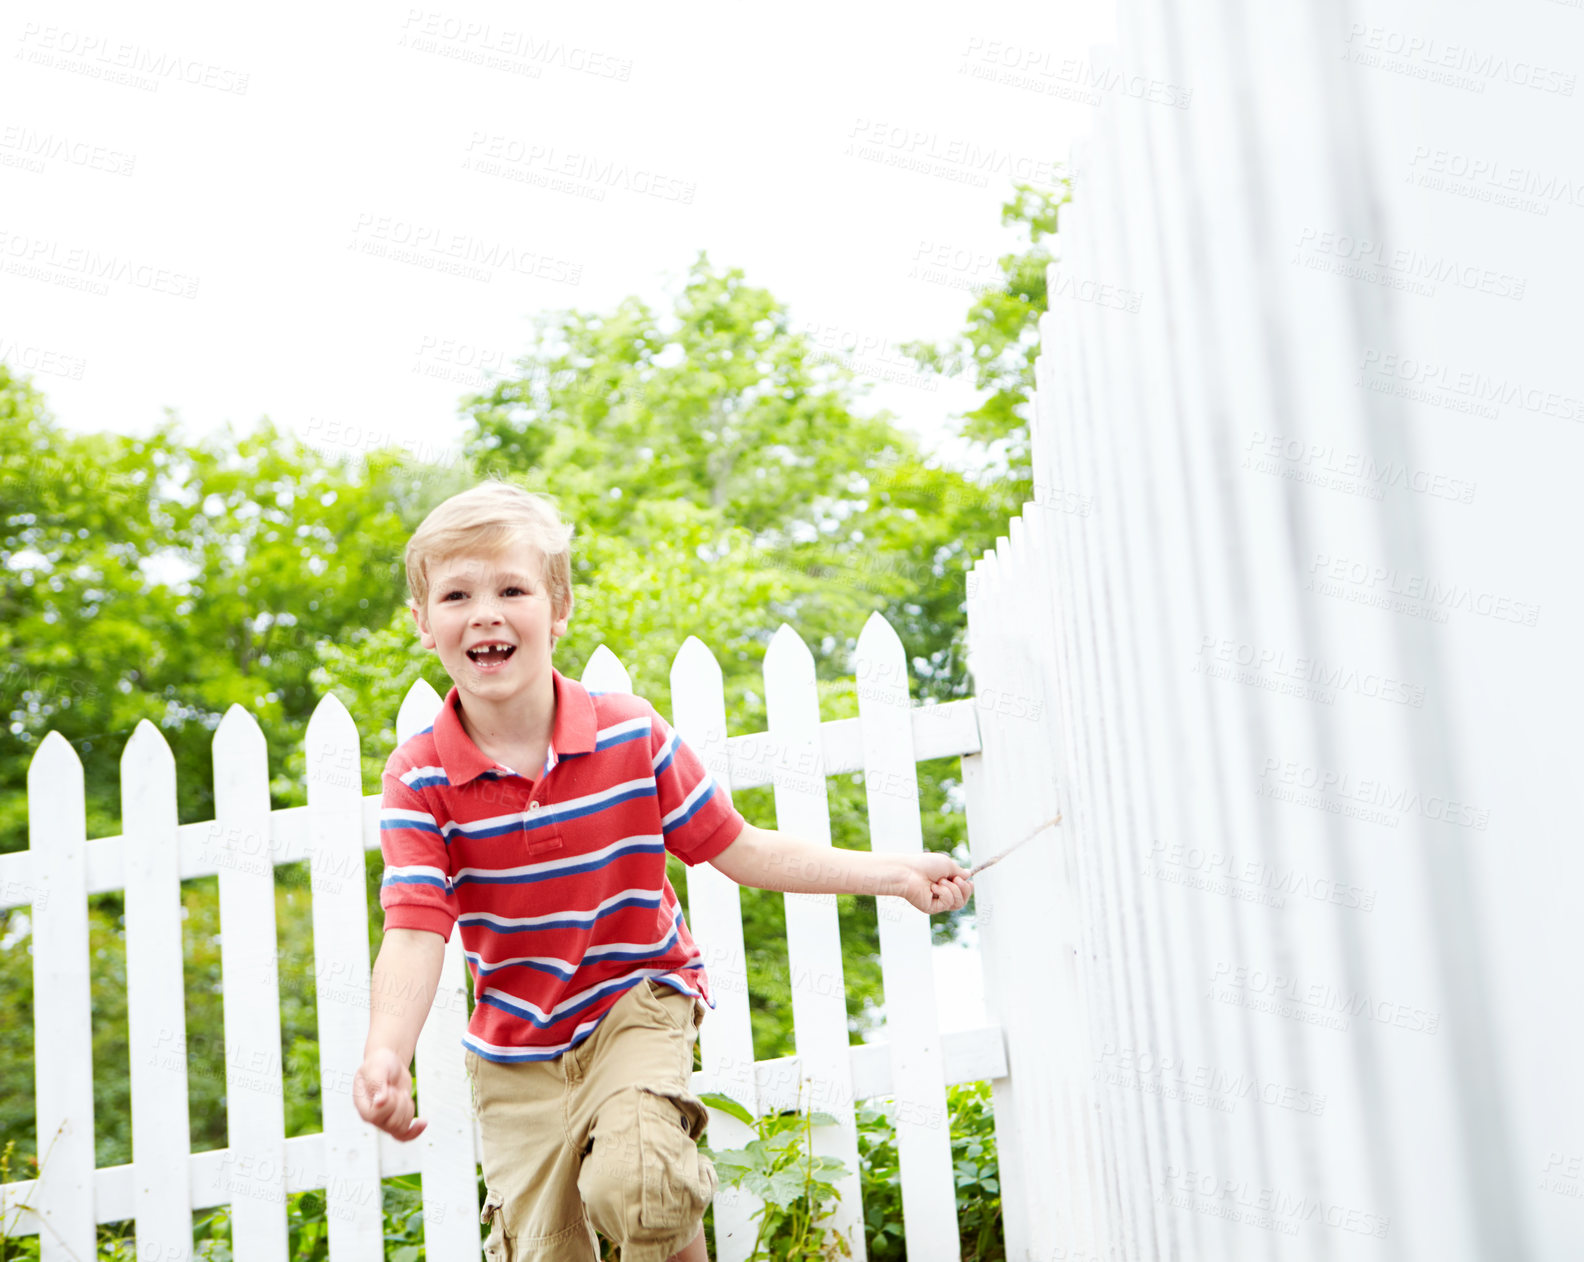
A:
(936, 883)
(382, 1092)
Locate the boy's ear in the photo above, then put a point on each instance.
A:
(424, 637)
(558, 627)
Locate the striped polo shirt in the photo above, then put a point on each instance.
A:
(559, 883)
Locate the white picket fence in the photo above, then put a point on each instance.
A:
(1312, 921)
(165, 1182)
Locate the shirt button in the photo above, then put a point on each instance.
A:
(533, 806)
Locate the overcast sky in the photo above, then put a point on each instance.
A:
(238, 213)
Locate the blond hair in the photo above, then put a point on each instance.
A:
(486, 520)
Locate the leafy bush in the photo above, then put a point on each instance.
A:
(973, 1164)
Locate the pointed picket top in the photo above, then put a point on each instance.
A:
(331, 749)
(331, 720)
(238, 737)
(418, 710)
(1037, 534)
(605, 673)
(1045, 361)
(786, 648)
(55, 758)
(989, 577)
(1017, 549)
(880, 665)
(789, 675)
(695, 666)
(879, 638)
(147, 749)
(698, 706)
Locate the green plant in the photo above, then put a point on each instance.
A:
(974, 1168)
(798, 1188)
(17, 1246)
(977, 1170)
(880, 1183)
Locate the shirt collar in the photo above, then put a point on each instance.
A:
(573, 732)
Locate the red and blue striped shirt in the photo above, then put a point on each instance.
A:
(559, 884)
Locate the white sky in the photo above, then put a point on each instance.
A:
(364, 126)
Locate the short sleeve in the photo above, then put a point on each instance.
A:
(696, 813)
(416, 892)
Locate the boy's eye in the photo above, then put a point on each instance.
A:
(509, 591)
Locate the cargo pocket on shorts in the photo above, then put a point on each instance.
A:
(496, 1248)
(679, 1181)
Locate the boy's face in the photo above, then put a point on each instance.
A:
(502, 601)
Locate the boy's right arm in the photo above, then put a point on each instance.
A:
(402, 988)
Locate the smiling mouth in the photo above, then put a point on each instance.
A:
(491, 654)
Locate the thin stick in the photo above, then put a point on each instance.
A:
(982, 866)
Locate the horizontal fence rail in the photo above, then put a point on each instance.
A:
(332, 833)
(946, 730)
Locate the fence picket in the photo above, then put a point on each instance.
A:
(63, 1195)
(989, 790)
(448, 1156)
(254, 1178)
(819, 1005)
(353, 1202)
(923, 1125)
(156, 996)
(604, 672)
(715, 918)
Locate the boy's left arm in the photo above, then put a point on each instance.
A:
(771, 860)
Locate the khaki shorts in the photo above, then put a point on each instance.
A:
(602, 1137)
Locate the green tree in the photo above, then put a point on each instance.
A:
(999, 343)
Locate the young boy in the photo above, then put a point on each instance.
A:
(538, 816)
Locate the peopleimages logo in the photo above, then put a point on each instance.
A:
(440, 249)
(86, 269)
(1430, 381)
(1442, 61)
(1389, 587)
(1255, 1205)
(1177, 1078)
(1221, 656)
(1314, 1003)
(1403, 267)
(1323, 464)
(1250, 879)
(1306, 784)
(34, 148)
(115, 60)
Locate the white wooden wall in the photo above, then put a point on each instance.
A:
(1287, 634)
(333, 832)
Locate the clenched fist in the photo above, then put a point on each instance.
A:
(382, 1093)
(936, 883)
